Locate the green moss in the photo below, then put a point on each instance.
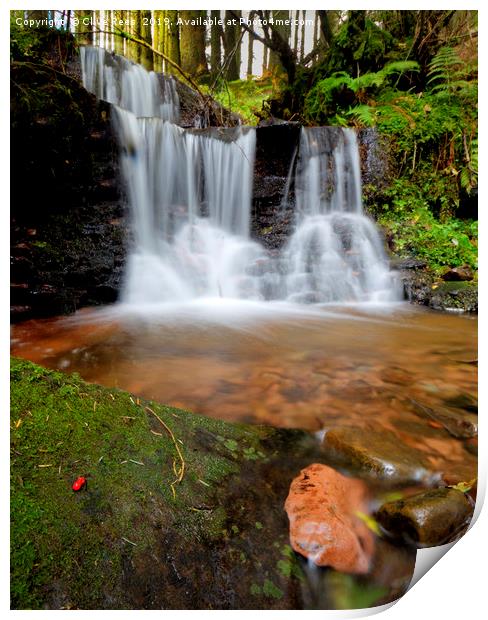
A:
(269, 589)
(63, 428)
(246, 97)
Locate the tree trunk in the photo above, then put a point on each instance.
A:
(192, 43)
(118, 28)
(135, 48)
(215, 45)
(172, 40)
(282, 30)
(295, 34)
(146, 35)
(157, 32)
(237, 35)
(302, 42)
(250, 56)
(230, 51)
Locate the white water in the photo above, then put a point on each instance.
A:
(190, 194)
(121, 82)
(336, 252)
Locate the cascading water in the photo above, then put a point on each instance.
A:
(121, 82)
(190, 196)
(336, 253)
(190, 193)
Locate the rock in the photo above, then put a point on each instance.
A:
(377, 453)
(407, 263)
(322, 506)
(421, 287)
(464, 401)
(435, 517)
(458, 274)
(396, 375)
(458, 423)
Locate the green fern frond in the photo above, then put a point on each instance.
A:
(364, 114)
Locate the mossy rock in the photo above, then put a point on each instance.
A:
(432, 518)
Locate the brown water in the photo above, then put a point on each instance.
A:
(312, 371)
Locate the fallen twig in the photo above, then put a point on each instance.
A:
(179, 473)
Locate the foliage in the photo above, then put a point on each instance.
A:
(29, 43)
(325, 99)
(246, 97)
(412, 229)
(360, 45)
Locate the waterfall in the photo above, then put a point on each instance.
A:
(121, 82)
(336, 252)
(190, 196)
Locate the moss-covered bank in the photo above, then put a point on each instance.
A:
(127, 541)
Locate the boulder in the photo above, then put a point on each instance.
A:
(322, 507)
(458, 274)
(379, 454)
(435, 517)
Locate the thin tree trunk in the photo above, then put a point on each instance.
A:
(158, 19)
(250, 56)
(172, 41)
(215, 43)
(146, 35)
(302, 42)
(295, 34)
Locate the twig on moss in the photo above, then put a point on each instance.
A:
(179, 472)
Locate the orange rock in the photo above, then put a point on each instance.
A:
(322, 507)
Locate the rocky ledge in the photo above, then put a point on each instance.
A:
(454, 291)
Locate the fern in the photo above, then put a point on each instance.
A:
(364, 115)
(449, 75)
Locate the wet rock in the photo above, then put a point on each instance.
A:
(407, 263)
(380, 454)
(455, 297)
(471, 445)
(322, 506)
(396, 375)
(457, 422)
(423, 288)
(463, 401)
(432, 518)
(458, 274)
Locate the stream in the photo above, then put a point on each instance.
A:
(283, 364)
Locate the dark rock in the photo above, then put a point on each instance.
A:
(407, 263)
(432, 518)
(423, 288)
(458, 274)
(378, 454)
(463, 401)
(272, 217)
